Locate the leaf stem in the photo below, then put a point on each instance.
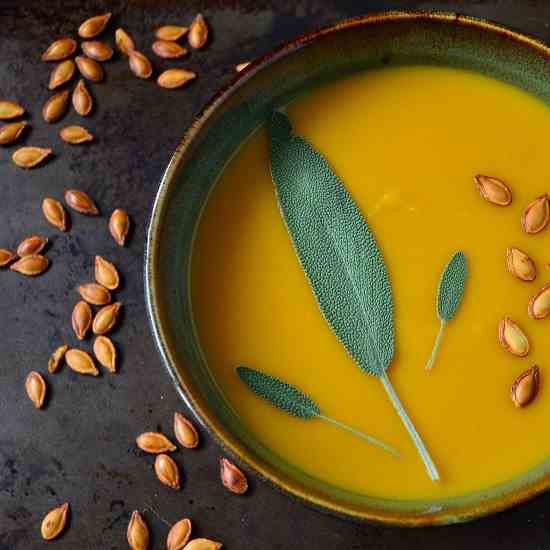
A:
(417, 440)
(362, 435)
(437, 344)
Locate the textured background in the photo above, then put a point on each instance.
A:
(81, 448)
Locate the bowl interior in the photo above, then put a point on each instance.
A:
(353, 46)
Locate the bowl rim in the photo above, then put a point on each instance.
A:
(181, 379)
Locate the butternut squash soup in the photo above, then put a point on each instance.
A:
(406, 143)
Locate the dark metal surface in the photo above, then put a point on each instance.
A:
(80, 448)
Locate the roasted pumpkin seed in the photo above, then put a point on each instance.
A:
(94, 294)
(97, 50)
(140, 65)
(61, 73)
(59, 50)
(81, 319)
(119, 225)
(512, 338)
(81, 202)
(168, 50)
(82, 100)
(89, 68)
(10, 109)
(175, 78)
(56, 106)
(6, 257)
(54, 522)
(198, 32)
(105, 353)
(55, 213)
(539, 305)
(520, 265)
(75, 135)
(29, 157)
(32, 245)
(124, 41)
(11, 132)
(106, 318)
(138, 532)
(232, 477)
(179, 535)
(170, 32)
(536, 215)
(167, 471)
(185, 431)
(81, 362)
(35, 387)
(203, 544)
(54, 362)
(106, 273)
(525, 387)
(31, 266)
(493, 190)
(94, 25)
(154, 443)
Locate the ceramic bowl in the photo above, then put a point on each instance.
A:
(359, 44)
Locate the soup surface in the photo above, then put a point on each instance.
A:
(406, 142)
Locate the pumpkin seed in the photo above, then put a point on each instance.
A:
(31, 245)
(89, 69)
(232, 477)
(56, 106)
(105, 352)
(203, 544)
(138, 532)
(493, 190)
(198, 32)
(520, 265)
(154, 443)
(175, 78)
(54, 522)
(36, 388)
(539, 305)
(82, 100)
(140, 65)
(54, 362)
(512, 338)
(179, 535)
(59, 50)
(124, 41)
(170, 32)
(61, 73)
(106, 318)
(94, 25)
(242, 66)
(106, 273)
(11, 132)
(75, 135)
(29, 157)
(185, 431)
(168, 50)
(97, 50)
(81, 202)
(119, 225)
(81, 362)
(167, 471)
(31, 266)
(55, 213)
(81, 319)
(10, 109)
(94, 294)
(536, 215)
(525, 387)
(6, 257)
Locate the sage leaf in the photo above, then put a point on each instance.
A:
(450, 292)
(339, 256)
(295, 402)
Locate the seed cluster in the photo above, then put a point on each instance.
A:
(534, 219)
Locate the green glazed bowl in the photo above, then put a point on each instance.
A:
(359, 44)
